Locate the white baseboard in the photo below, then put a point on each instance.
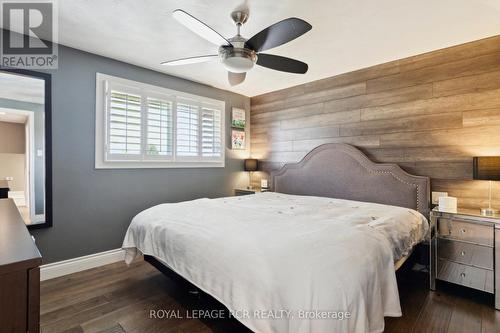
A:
(65, 267)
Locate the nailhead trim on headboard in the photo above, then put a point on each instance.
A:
(421, 184)
(398, 178)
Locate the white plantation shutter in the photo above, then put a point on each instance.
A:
(143, 126)
(159, 127)
(187, 129)
(211, 141)
(124, 124)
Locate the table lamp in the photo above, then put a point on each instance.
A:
(251, 165)
(487, 168)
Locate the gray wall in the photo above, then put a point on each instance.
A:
(93, 208)
(39, 161)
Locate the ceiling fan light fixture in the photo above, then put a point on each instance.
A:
(238, 54)
(237, 60)
(238, 64)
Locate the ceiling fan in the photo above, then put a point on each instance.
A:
(238, 54)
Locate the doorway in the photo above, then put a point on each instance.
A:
(16, 159)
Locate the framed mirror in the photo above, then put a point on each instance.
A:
(25, 144)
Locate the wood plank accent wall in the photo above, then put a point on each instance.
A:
(429, 113)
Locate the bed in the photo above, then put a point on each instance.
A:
(318, 254)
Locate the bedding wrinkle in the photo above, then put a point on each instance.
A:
(272, 251)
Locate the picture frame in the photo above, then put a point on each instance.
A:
(238, 139)
(238, 118)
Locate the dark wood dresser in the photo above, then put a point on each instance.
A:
(19, 273)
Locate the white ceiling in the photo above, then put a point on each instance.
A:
(346, 35)
(22, 88)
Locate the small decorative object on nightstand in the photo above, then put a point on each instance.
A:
(465, 250)
(448, 204)
(487, 168)
(251, 165)
(245, 191)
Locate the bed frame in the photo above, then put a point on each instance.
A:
(341, 171)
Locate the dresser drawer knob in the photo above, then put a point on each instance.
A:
(462, 275)
(462, 230)
(462, 253)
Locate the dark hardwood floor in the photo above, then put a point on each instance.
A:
(116, 299)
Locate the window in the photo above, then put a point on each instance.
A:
(211, 145)
(160, 127)
(187, 129)
(144, 126)
(124, 124)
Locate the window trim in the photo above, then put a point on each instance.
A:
(103, 82)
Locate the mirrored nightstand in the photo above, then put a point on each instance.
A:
(465, 250)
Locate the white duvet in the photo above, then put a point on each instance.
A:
(285, 263)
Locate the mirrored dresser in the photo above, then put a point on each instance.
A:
(465, 250)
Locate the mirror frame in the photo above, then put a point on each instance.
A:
(48, 140)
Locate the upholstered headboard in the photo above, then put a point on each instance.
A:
(341, 171)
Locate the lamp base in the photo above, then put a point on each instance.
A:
(489, 211)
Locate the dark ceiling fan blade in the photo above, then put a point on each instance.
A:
(280, 63)
(199, 28)
(190, 60)
(235, 78)
(278, 34)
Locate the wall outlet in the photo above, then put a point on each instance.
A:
(437, 195)
(9, 178)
